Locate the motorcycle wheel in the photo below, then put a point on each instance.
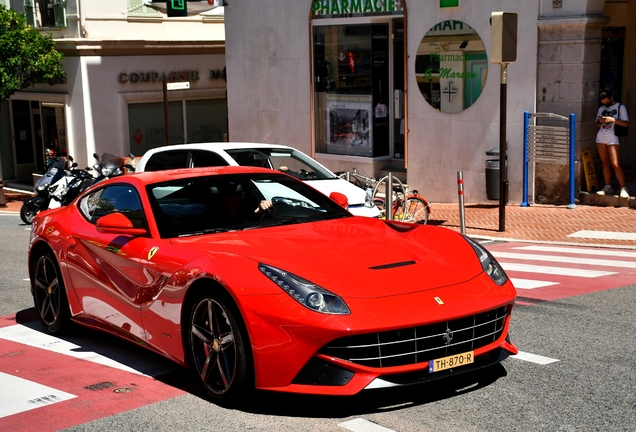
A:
(27, 214)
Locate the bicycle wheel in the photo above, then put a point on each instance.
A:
(414, 210)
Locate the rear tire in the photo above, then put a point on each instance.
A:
(217, 345)
(49, 293)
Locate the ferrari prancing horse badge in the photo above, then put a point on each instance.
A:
(152, 252)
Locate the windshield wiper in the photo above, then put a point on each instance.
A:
(207, 231)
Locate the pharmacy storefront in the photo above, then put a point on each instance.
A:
(400, 86)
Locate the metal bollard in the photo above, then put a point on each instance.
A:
(388, 198)
(460, 192)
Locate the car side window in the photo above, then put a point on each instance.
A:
(118, 198)
(173, 159)
(206, 159)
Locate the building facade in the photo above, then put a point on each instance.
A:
(117, 56)
(408, 86)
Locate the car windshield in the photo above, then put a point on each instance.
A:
(289, 161)
(222, 203)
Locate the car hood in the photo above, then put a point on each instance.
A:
(355, 257)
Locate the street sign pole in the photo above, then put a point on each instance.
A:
(165, 111)
(503, 148)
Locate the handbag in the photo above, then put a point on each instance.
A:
(620, 131)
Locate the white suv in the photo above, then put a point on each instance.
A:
(273, 156)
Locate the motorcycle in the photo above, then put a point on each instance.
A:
(60, 186)
(32, 206)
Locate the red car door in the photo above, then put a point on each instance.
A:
(103, 267)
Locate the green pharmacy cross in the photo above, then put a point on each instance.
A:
(450, 91)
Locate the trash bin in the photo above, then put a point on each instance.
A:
(492, 175)
(492, 179)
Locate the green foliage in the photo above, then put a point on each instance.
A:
(26, 56)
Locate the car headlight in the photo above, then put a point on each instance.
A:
(304, 292)
(488, 263)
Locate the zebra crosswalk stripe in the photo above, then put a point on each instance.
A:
(561, 271)
(566, 260)
(579, 251)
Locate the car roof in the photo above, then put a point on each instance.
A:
(150, 177)
(219, 146)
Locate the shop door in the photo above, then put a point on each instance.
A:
(24, 137)
(612, 52)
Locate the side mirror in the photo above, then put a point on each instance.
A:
(340, 199)
(117, 223)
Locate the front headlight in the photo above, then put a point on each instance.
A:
(107, 171)
(488, 263)
(304, 292)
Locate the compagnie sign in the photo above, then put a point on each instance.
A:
(330, 8)
(173, 76)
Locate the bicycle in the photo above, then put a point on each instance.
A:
(406, 207)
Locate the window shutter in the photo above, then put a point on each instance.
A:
(59, 11)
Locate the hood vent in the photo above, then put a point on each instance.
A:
(393, 265)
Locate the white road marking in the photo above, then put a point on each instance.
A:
(531, 284)
(18, 395)
(534, 358)
(566, 260)
(362, 425)
(562, 271)
(606, 235)
(579, 251)
(23, 334)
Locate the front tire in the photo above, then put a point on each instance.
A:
(27, 214)
(49, 294)
(218, 348)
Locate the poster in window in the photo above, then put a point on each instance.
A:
(349, 128)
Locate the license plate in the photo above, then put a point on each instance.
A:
(456, 360)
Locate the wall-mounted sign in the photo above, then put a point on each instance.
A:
(352, 8)
(451, 66)
(173, 76)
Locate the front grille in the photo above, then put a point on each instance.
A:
(420, 344)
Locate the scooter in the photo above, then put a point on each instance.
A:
(40, 202)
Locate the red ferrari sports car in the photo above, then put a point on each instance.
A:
(254, 279)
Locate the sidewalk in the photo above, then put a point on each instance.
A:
(606, 226)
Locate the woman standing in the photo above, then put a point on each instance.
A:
(611, 113)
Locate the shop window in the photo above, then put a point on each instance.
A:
(191, 121)
(451, 66)
(351, 85)
(45, 13)
(206, 120)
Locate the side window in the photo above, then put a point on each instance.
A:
(206, 159)
(119, 198)
(167, 160)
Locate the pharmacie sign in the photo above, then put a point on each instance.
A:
(447, 72)
(335, 8)
(172, 76)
